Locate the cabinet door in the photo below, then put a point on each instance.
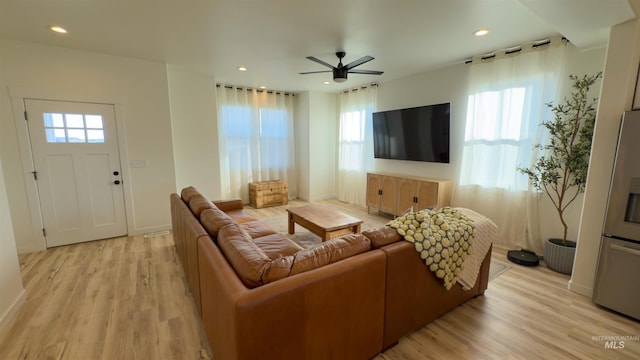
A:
(373, 190)
(388, 197)
(406, 196)
(427, 194)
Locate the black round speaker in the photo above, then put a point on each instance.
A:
(523, 257)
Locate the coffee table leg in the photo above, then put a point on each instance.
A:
(292, 224)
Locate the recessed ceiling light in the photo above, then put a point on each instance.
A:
(58, 29)
(263, 87)
(242, 68)
(327, 82)
(481, 32)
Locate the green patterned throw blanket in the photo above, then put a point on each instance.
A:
(442, 238)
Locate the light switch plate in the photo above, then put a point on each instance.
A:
(138, 163)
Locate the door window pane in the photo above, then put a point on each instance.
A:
(76, 135)
(73, 128)
(95, 136)
(53, 120)
(56, 136)
(93, 121)
(74, 120)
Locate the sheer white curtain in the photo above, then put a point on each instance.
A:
(255, 139)
(506, 104)
(355, 144)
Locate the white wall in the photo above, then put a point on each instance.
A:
(195, 132)
(139, 88)
(11, 289)
(619, 82)
(440, 86)
(323, 144)
(301, 129)
(316, 130)
(13, 294)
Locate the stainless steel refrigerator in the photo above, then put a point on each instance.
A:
(617, 286)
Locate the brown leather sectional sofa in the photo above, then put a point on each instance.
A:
(262, 296)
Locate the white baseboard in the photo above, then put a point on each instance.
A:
(154, 229)
(13, 310)
(580, 289)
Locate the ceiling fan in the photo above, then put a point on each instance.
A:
(340, 72)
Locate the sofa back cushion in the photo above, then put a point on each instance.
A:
(213, 220)
(254, 267)
(243, 254)
(329, 252)
(382, 236)
(189, 192)
(198, 204)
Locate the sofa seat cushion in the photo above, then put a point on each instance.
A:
(276, 245)
(213, 220)
(240, 216)
(257, 229)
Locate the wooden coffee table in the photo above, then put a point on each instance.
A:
(326, 223)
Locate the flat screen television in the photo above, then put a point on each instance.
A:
(416, 134)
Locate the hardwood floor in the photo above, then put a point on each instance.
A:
(122, 298)
(526, 313)
(126, 298)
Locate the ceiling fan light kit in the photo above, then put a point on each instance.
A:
(341, 71)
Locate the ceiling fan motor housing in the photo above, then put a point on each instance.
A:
(340, 74)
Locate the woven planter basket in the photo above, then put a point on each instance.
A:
(559, 257)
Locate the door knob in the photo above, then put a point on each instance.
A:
(117, 182)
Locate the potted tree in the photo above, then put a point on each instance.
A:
(561, 171)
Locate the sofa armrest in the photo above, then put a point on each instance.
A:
(229, 205)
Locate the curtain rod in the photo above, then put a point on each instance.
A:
(277, 92)
(516, 49)
(361, 87)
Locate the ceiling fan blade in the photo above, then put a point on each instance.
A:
(320, 62)
(315, 72)
(359, 62)
(368, 72)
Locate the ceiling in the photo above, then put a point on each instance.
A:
(272, 37)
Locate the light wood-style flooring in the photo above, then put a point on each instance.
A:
(126, 298)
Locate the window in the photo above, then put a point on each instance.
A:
(505, 104)
(73, 128)
(255, 133)
(274, 134)
(355, 143)
(352, 125)
(271, 133)
(499, 136)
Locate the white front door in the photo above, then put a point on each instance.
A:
(77, 167)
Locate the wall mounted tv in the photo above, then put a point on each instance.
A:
(417, 134)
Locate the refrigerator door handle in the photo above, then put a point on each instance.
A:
(625, 249)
